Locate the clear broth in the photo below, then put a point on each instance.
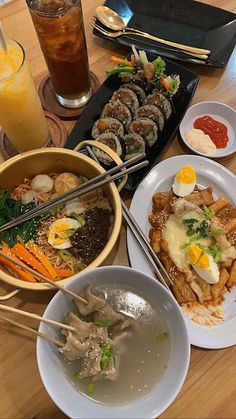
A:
(144, 360)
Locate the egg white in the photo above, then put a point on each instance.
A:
(211, 275)
(182, 189)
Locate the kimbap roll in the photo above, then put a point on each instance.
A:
(152, 112)
(110, 140)
(118, 111)
(107, 125)
(146, 128)
(135, 145)
(157, 99)
(127, 97)
(141, 95)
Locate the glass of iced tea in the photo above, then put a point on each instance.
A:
(21, 114)
(60, 30)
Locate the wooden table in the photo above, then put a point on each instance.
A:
(210, 388)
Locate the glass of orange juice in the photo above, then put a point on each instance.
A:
(21, 114)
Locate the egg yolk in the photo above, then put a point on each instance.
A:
(56, 232)
(193, 253)
(186, 175)
(203, 262)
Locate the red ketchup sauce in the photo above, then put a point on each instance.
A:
(217, 131)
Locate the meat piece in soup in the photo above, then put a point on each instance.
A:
(119, 348)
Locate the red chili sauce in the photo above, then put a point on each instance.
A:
(217, 131)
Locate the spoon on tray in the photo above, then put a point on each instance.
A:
(112, 20)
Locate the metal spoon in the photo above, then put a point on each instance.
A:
(112, 20)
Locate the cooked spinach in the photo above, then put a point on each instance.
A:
(11, 209)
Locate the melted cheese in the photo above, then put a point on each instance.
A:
(174, 232)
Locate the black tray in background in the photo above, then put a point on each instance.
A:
(184, 21)
(92, 112)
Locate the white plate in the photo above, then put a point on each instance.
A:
(160, 178)
(219, 111)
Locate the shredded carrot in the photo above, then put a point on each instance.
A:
(35, 249)
(118, 60)
(26, 276)
(166, 84)
(64, 273)
(22, 253)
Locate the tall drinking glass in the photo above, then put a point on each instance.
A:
(60, 30)
(21, 114)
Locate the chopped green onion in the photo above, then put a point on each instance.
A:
(79, 267)
(77, 313)
(78, 218)
(163, 335)
(103, 323)
(91, 387)
(207, 212)
(190, 221)
(65, 255)
(217, 232)
(190, 232)
(79, 377)
(106, 355)
(67, 233)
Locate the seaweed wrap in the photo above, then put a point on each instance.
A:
(107, 125)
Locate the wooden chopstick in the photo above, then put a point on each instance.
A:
(42, 277)
(73, 194)
(35, 332)
(37, 317)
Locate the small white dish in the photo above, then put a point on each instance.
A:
(63, 392)
(219, 111)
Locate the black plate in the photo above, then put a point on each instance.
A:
(92, 112)
(184, 21)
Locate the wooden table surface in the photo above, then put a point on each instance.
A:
(210, 388)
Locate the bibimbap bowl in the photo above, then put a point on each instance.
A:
(50, 160)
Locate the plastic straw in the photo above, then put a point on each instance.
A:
(3, 40)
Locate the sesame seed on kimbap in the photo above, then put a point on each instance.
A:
(110, 140)
(152, 112)
(136, 78)
(107, 125)
(138, 90)
(146, 128)
(135, 145)
(119, 111)
(157, 99)
(127, 97)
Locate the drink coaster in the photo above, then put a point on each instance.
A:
(57, 131)
(51, 104)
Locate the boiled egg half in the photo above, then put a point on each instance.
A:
(60, 231)
(185, 181)
(203, 264)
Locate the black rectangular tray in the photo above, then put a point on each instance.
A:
(184, 21)
(92, 112)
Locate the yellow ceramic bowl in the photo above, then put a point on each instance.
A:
(47, 160)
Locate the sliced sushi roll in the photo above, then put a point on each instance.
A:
(152, 112)
(111, 140)
(127, 97)
(157, 99)
(135, 145)
(118, 111)
(146, 128)
(136, 78)
(136, 89)
(107, 125)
